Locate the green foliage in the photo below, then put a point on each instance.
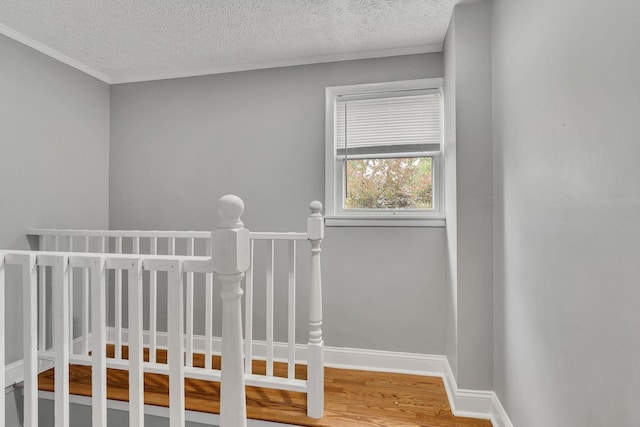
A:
(389, 183)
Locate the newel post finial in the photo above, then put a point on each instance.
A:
(315, 222)
(230, 256)
(230, 209)
(315, 363)
(316, 208)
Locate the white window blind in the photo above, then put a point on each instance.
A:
(391, 125)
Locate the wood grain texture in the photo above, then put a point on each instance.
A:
(352, 398)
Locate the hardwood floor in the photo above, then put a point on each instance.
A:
(352, 398)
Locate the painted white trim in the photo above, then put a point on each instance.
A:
(392, 86)
(42, 48)
(501, 419)
(335, 357)
(334, 174)
(367, 54)
(344, 221)
(474, 403)
(14, 372)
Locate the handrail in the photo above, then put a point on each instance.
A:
(178, 254)
(119, 233)
(148, 234)
(62, 264)
(189, 259)
(259, 235)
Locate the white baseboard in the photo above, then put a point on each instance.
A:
(500, 417)
(474, 403)
(14, 372)
(335, 357)
(468, 403)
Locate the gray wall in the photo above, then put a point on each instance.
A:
(567, 217)
(451, 199)
(54, 123)
(178, 145)
(469, 195)
(54, 161)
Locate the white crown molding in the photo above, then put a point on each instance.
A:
(368, 54)
(21, 38)
(149, 76)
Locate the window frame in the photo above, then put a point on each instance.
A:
(335, 170)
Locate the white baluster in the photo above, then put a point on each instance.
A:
(118, 306)
(248, 304)
(230, 261)
(153, 305)
(208, 314)
(315, 363)
(70, 300)
(85, 304)
(171, 245)
(30, 340)
(42, 297)
(176, 345)
(189, 316)
(292, 310)
(2, 336)
(269, 307)
(60, 291)
(136, 356)
(99, 343)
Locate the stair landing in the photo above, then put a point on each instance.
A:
(352, 397)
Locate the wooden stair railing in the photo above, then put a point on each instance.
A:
(229, 254)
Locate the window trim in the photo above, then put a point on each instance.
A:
(335, 215)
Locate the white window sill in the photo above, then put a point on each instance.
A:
(383, 221)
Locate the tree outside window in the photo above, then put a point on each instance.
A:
(401, 183)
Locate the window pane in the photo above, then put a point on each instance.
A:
(389, 183)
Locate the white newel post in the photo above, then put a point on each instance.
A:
(315, 364)
(230, 260)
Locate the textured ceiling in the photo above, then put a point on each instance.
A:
(126, 40)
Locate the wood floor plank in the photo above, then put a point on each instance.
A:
(353, 398)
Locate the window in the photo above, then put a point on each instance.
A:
(383, 154)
